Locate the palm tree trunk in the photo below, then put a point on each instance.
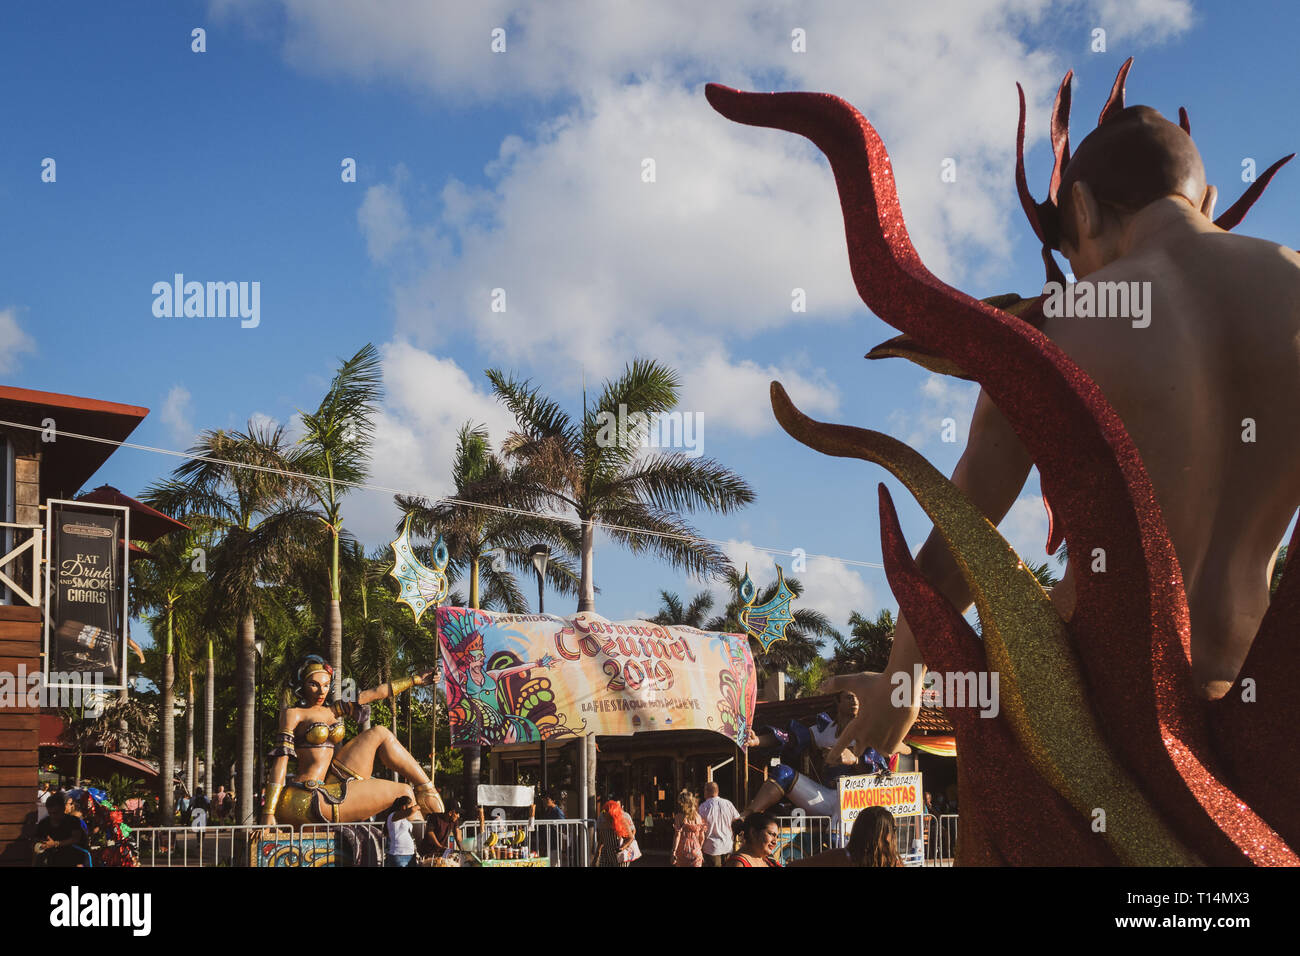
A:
(167, 759)
(473, 583)
(189, 737)
(209, 708)
(336, 646)
(244, 663)
(587, 587)
(335, 617)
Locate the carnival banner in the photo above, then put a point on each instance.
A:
(85, 593)
(513, 678)
(899, 793)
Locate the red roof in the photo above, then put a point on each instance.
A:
(147, 524)
(68, 463)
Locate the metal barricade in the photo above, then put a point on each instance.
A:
(910, 835)
(804, 836)
(193, 846)
(944, 840)
(254, 845)
(564, 843)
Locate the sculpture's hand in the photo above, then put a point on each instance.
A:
(428, 677)
(879, 723)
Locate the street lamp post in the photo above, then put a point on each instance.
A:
(540, 554)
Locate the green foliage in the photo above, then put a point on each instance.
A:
(867, 646)
(490, 545)
(582, 468)
(809, 678)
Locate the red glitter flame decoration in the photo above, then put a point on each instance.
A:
(1138, 675)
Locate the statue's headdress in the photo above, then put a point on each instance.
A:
(1134, 149)
(311, 664)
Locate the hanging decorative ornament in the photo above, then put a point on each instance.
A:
(766, 623)
(421, 587)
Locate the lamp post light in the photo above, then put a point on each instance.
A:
(541, 554)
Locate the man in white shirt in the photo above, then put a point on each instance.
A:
(719, 814)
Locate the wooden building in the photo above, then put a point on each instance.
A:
(34, 467)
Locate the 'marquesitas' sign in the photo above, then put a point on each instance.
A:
(899, 793)
(514, 678)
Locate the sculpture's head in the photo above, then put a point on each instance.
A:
(313, 680)
(1134, 157)
(1128, 162)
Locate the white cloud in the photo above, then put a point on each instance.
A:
(427, 399)
(1025, 528)
(940, 398)
(383, 221)
(735, 395)
(1127, 20)
(598, 265)
(177, 413)
(13, 340)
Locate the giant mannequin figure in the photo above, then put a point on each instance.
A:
(333, 782)
(1223, 345)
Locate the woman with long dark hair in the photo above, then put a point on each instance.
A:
(759, 835)
(401, 838)
(874, 840)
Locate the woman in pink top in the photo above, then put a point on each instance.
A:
(688, 845)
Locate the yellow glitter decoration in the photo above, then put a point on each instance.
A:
(1041, 688)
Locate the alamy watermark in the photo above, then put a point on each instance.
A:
(954, 689)
(684, 430)
(64, 689)
(1099, 300)
(212, 300)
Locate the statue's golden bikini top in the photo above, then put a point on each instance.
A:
(319, 734)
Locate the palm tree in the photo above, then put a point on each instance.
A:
(1045, 575)
(164, 585)
(335, 447)
(122, 726)
(803, 636)
(1278, 564)
(671, 610)
(476, 535)
(231, 488)
(580, 467)
(867, 647)
(491, 544)
(809, 678)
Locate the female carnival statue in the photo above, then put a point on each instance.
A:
(333, 782)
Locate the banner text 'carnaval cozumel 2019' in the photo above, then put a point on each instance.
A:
(516, 678)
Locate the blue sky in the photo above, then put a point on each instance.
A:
(522, 170)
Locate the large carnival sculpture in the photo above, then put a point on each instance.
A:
(333, 781)
(1098, 713)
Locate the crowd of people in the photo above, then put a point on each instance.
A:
(709, 832)
(713, 833)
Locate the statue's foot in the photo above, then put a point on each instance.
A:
(427, 798)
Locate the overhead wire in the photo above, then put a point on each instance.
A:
(437, 499)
